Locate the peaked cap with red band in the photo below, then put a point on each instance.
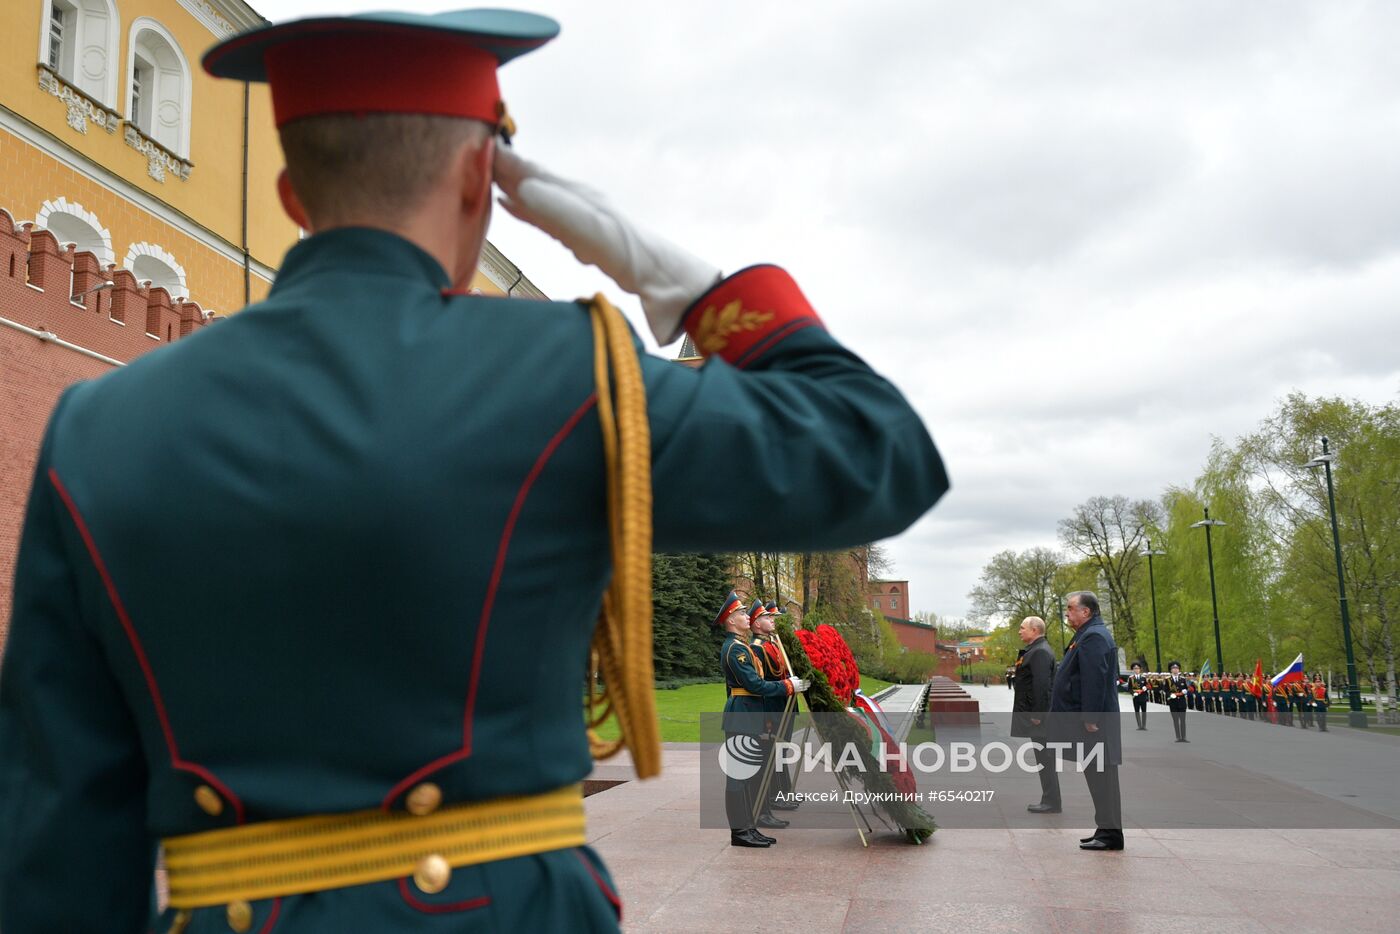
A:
(409, 63)
(731, 603)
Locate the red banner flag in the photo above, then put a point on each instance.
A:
(1256, 683)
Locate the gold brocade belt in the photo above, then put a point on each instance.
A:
(741, 692)
(311, 854)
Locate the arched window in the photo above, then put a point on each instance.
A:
(158, 87)
(70, 222)
(78, 42)
(150, 262)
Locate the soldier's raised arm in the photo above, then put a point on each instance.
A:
(846, 458)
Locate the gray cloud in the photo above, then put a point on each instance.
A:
(1085, 238)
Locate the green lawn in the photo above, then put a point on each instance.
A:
(679, 709)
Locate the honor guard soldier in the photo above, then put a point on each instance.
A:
(1178, 698)
(1320, 703)
(1304, 696)
(1138, 685)
(257, 589)
(777, 662)
(746, 710)
(768, 659)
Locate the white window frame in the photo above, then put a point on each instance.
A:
(156, 93)
(83, 35)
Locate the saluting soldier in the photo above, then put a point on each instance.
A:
(257, 586)
(1138, 686)
(1178, 697)
(745, 715)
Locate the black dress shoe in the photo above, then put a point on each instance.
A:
(1087, 839)
(1143, 729)
(770, 822)
(1099, 843)
(1043, 808)
(747, 838)
(784, 805)
(763, 836)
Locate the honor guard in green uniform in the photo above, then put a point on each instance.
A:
(1139, 686)
(747, 710)
(258, 589)
(768, 659)
(1178, 699)
(1320, 703)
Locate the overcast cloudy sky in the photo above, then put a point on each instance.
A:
(1083, 237)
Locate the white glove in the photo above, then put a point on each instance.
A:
(799, 684)
(665, 277)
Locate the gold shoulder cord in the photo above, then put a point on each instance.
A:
(622, 644)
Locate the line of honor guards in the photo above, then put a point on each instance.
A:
(757, 681)
(1300, 703)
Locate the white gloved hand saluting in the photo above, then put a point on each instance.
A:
(799, 684)
(665, 277)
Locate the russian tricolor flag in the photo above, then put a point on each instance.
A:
(1293, 673)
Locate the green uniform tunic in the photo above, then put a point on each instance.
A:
(271, 558)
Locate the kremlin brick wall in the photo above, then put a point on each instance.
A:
(38, 279)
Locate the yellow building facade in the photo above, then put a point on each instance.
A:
(113, 138)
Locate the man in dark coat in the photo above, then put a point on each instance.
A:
(1033, 678)
(1084, 710)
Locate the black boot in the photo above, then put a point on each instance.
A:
(748, 838)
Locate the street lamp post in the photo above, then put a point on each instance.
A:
(1149, 554)
(1356, 717)
(1207, 523)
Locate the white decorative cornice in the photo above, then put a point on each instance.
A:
(159, 160)
(81, 108)
(223, 18)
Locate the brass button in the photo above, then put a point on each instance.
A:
(424, 799)
(240, 916)
(209, 801)
(432, 874)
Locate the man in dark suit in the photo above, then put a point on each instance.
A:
(1084, 713)
(1034, 675)
(256, 587)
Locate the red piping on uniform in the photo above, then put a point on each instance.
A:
(271, 917)
(789, 327)
(151, 686)
(611, 895)
(490, 600)
(414, 902)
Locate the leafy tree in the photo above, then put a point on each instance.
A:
(1109, 532)
(1015, 585)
